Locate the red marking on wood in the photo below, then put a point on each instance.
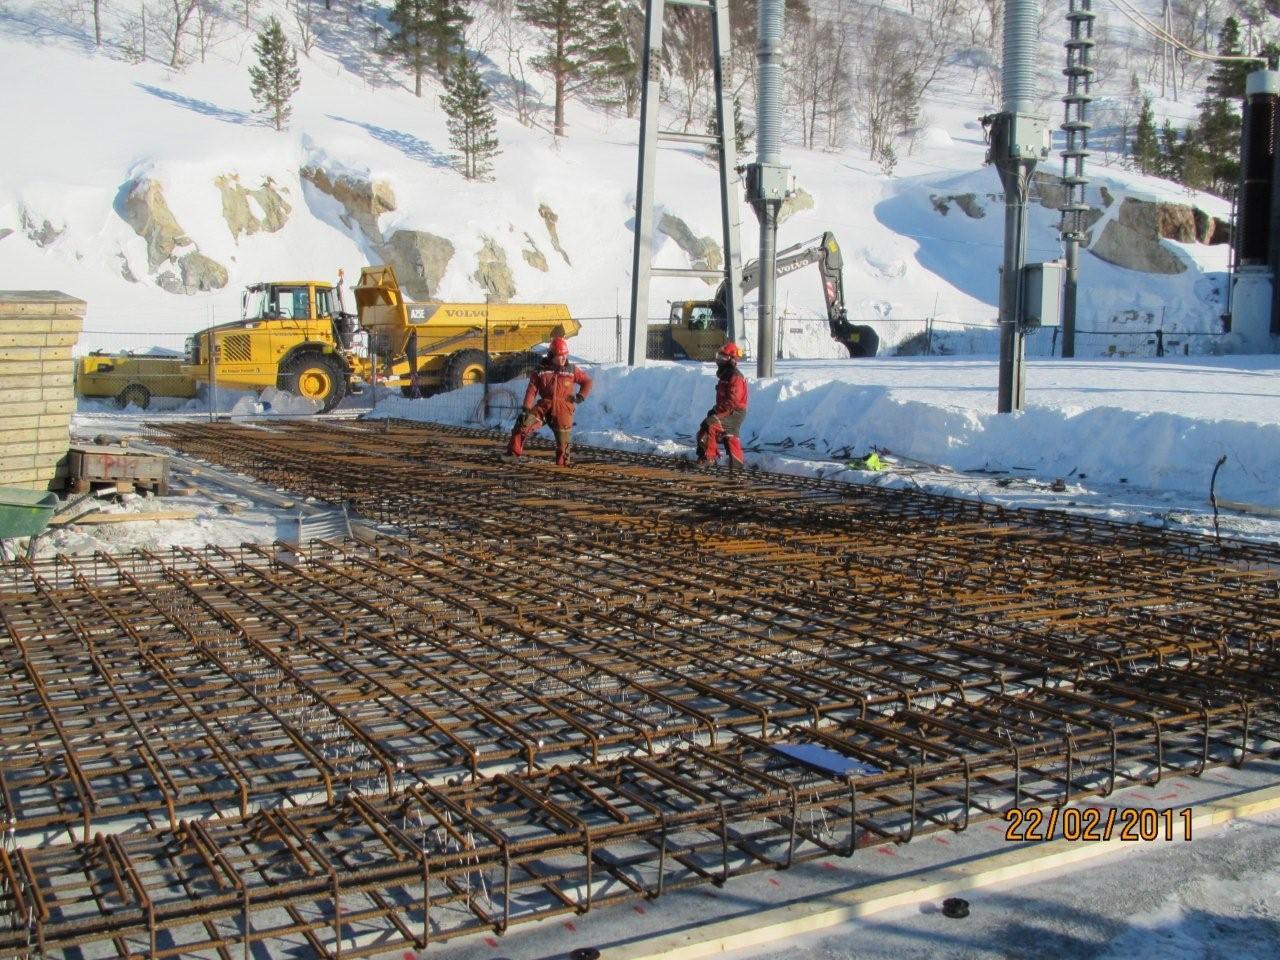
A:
(568, 925)
(1168, 796)
(943, 840)
(490, 941)
(887, 851)
(774, 881)
(639, 910)
(828, 865)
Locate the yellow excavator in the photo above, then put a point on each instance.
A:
(296, 336)
(696, 329)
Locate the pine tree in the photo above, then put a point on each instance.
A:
(411, 41)
(276, 78)
(583, 45)
(471, 123)
(1213, 158)
(1172, 153)
(446, 22)
(1146, 143)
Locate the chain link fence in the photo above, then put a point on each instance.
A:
(150, 378)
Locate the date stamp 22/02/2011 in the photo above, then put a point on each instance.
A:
(1098, 824)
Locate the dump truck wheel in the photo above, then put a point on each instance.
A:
(314, 376)
(464, 369)
(861, 341)
(516, 365)
(136, 394)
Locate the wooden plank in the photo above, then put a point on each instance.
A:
(99, 518)
(8, 339)
(30, 323)
(826, 910)
(39, 303)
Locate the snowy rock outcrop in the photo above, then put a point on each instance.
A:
(493, 273)
(1133, 238)
(549, 217)
(801, 200)
(533, 256)
(177, 270)
(363, 200)
(704, 253)
(419, 260)
(147, 212)
(41, 234)
(268, 213)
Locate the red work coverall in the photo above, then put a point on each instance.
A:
(724, 420)
(553, 388)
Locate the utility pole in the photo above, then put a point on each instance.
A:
(1076, 126)
(767, 178)
(722, 141)
(1019, 139)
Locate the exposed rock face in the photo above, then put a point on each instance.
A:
(1132, 240)
(493, 273)
(362, 200)
(802, 199)
(125, 270)
(201, 274)
(1211, 230)
(145, 210)
(240, 215)
(419, 260)
(41, 234)
(533, 256)
(1176, 221)
(704, 253)
(549, 217)
(5, 231)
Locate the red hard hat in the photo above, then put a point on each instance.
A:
(730, 351)
(559, 347)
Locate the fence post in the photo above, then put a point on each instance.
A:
(486, 358)
(928, 342)
(617, 352)
(213, 379)
(1160, 341)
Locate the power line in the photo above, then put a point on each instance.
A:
(1142, 23)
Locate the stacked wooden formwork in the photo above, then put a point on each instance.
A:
(38, 328)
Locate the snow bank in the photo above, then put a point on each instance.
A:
(1074, 434)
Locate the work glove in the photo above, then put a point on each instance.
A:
(578, 398)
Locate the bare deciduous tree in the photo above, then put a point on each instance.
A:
(304, 15)
(183, 10)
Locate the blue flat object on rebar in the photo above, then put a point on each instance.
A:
(823, 760)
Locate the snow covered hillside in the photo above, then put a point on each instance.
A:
(124, 179)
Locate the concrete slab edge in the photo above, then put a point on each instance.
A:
(806, 916)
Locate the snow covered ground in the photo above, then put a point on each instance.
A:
(1131, 440)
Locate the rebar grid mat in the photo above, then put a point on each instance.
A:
(669, 677)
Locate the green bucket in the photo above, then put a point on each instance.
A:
(24, 513)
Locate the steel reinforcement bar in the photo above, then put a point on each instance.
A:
(670, 677)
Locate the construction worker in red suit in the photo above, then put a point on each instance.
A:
(724, 420)
(552, 387)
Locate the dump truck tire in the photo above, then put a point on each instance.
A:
(464, 369)
(862, 341)
(136, 394)
(516, 366)
(314, 376)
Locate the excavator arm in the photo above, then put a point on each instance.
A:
(859, 340)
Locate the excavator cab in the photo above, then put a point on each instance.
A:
(696, 329)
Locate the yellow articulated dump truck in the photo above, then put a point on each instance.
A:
(297, 337)
(132, 380)
(448, 344)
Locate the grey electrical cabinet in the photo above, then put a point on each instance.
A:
(1042, 294)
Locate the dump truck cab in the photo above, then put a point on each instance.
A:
(293, 335)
